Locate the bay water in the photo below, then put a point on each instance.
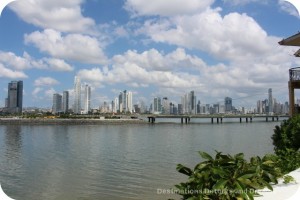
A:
(128, 161)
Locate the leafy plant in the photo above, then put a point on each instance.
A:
(286, 141)
(288, 179)
(232, 177)
(227, 177)
(287, 135)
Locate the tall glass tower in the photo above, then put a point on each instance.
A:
(77, 96)
(87, 99)
(65, 102)
(270, 101)
(15, 97)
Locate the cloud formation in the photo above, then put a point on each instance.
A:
(45, 81)
(12, 74)
(60, 15)
(74, 47)
(166, 7)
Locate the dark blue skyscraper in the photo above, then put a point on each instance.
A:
(15, 97)
(228, 104)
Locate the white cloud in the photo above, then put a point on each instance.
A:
(244, 2)
(36, 91)
(288, 7)
(26, 62)
(233, 37)
(166, 7)
(60, 15)
(155, 60)
(19, 63)
(13, 74)
(58, 65)
(45, 81)
(74, 47)
(49, 93)
(148, 68)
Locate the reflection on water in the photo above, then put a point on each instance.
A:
(13, 141)
(114, 161)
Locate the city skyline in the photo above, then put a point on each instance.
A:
(215, 48)
(124, 103)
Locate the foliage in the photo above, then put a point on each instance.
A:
(288, 179)
(227, 177)
(286, 141)
(288, 160)
(232, 177)
(287, 135)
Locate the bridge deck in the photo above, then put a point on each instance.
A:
(219, 118)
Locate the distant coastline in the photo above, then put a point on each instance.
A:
(41, 121)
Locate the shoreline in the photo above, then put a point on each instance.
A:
(13, 121)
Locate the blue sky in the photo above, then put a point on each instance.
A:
(217, 48)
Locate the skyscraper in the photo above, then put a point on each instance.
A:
(270, 101)
(125, 102)
(192, 103)
(228, 104)
(165, 106)
(116, 105)
(65, 102)
(129, 107)
(15, 97)
(188, 102)
(87, 99)
(157, 107)
(57, 103)
(77, 96)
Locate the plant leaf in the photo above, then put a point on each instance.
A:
(205, 155)
(220, 184)
(184, 170)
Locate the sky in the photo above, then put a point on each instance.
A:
(164, 48)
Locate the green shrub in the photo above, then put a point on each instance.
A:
(232, 177)
(227, 177)
(286, 141)
(287, 135)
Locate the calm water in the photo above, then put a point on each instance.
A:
(114, 161)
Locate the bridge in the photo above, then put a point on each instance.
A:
(215, 118)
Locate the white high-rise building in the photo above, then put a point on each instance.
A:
(188, 102)
(125, 102)
(157, 107)
(87, 99)
(77, 96)
(129, 102)
(115, 105)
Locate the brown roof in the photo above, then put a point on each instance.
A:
(291, 41)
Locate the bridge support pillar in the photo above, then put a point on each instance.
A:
(212, 120)
(272, 119)
(240, 120)
(277, 118)
(217, 120)
(186, 120)
(247, 119)
(221, 120)
(152, 120)
(251, 119)
(267, 119)
(182, 120)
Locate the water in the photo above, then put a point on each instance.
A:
(114, 161)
